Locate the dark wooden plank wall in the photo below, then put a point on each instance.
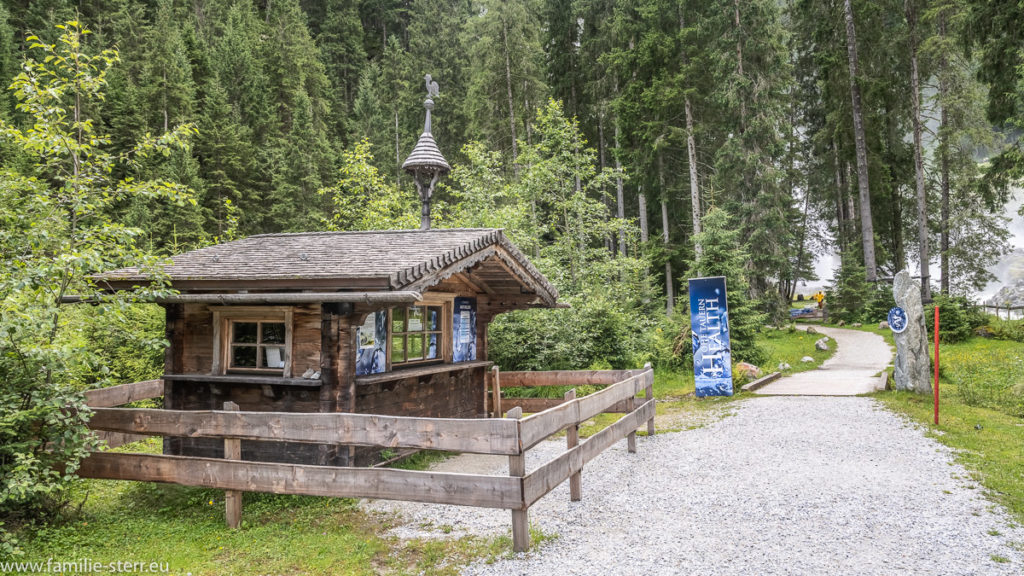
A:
(456, 394)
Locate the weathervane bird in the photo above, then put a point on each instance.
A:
(432, 89)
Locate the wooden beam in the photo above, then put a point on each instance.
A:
(555, 471)
(530, 405)
(474, 435)
(564, 378)
(232, 498)
(124, 393)
(337, 482)
(520, 516)
(572, 439)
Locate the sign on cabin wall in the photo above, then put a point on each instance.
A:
(464, 330)
(371, 356)
(709, 322)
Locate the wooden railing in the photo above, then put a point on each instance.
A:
(511, 436)
(1011, 312)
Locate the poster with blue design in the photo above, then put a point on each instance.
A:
(709, 323)
(371, 357)
(464, 330)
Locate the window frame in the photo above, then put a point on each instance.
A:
(224, 319)
(444, 353)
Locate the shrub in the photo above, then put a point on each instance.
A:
(958, 318)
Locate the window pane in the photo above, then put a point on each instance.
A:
(432, 346)
(397, 349)
(243, 356)
(245, 333)
(273, 357)
(415, 319)
(416, 346)
(433, 318)
(273, 333)
(398, 320)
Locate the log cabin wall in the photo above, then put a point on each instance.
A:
(457, 392)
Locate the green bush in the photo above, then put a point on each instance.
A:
(958, 318)
(595, 331)
(849, 294)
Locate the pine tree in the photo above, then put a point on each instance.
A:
(725, 254)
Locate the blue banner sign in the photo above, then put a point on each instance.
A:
(709, 323)
(464, 330)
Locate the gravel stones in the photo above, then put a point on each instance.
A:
(786, 485)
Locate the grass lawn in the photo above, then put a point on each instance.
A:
(980, 399)
(183, 528)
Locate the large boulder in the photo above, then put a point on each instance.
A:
(746, 371)
(913, 365)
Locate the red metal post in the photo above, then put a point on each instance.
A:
(936, 365)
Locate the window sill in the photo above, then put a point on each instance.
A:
(243, 379)
(403, 373)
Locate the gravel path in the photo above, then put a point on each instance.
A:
(786, 485)
(852, 370)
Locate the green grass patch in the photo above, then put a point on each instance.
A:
(976, 415)
(184, 528)
(789, 346)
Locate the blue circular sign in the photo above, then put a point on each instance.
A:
(897, 320)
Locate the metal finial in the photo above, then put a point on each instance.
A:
(426, 163)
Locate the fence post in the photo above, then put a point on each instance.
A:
(649, 391)
(520, 518)
(496, 390)
(232, 498)
(572, 439)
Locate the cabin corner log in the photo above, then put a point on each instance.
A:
(338, 482)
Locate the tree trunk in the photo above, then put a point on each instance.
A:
(922, 194)
(866, 227)
(739, 64)
(643, 215)
(943, 169)
(670, 297)
(840, 203)
(398, 153)
(511, 107)
(691, 153)
(620, 202)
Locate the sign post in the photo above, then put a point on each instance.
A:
(709, 325)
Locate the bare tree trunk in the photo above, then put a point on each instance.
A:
(922, 194)
(691, 153)
(866, 226)
(739, 64)
(840, 202)
(670, 298)
(643, 215)
(511, 107)
(620, 202)
(398, 153)
(944, 170)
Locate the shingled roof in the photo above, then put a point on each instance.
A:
(381, 260)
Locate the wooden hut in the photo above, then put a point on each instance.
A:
(390, 322)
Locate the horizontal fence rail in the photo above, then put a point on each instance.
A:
(511, 436)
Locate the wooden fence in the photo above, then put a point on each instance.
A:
(1010, 312)
(510, 436)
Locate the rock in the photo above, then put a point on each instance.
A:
(783, 366)
(811, 330)
(807, 359)
(822, 344)
(984, 332)
(746, 371)
(841, 323)
(883, 325)
(856, 325)
(913, 365)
